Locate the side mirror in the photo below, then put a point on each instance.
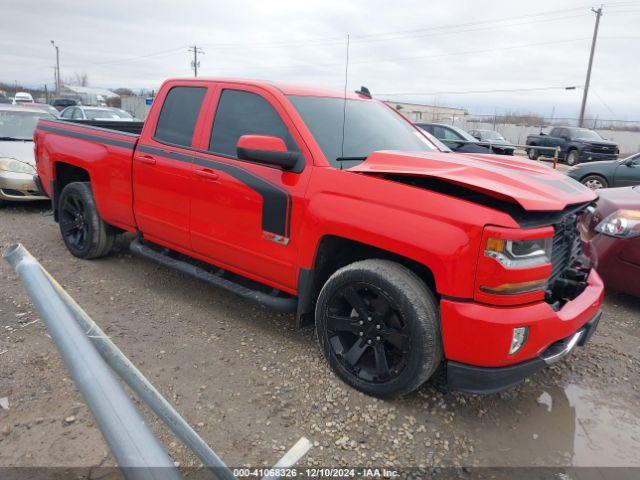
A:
(267, 150)
(477, 136)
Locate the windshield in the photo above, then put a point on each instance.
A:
(369, 126)
(443, 147)
(462, 133)
(100, 113)
(15, 125)
(491, 135)
(585, 134)
(122, 114)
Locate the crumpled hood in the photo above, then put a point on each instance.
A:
(532, 185)
(19, 150)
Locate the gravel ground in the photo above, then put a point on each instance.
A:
(251, 384)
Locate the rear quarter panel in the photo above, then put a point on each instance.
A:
(105, 155)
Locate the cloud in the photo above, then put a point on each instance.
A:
(402, 46)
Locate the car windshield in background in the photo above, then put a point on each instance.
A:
(585, 134)
(122, 114)
(463, 134)
(102, 114)
(492, 136)
(436, 141)
(15, 125)
(369, 126)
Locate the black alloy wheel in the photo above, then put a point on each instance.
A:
(367, 332)
(73, 222)
(84, 233)
(378, 324)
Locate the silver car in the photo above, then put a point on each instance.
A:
(17, 163)
(81, 112)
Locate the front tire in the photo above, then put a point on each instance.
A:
(573, 158)
(594, 182)
(532, 153)
(83, 231)
(379, 327)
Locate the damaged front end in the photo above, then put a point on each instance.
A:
(571, 265)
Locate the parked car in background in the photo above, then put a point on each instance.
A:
(22, 97)
(612, 173)
(611, 233)
(493, 140)
(4, 99)
(17, 164)
(45, 107)
(576, 145)
(62, 103)
(81, 112)
(455, 138)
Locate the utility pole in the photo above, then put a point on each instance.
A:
(57, 67)
(598, 13)
(195, 63)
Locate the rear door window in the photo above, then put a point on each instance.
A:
(245, 113)
(179, 114)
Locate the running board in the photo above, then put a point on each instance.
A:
(281, 304)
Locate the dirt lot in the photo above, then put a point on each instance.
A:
(252, 384)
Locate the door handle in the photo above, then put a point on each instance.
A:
(148, 159)
(207, 174)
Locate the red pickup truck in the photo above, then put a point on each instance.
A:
(407, 259)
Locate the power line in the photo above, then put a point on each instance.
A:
(437, 55)
(466, 92)
(319, 41)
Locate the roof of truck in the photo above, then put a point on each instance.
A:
(285, 88)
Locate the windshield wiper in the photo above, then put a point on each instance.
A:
(351, 159)
(13, 139)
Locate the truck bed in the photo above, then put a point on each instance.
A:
(95, 150)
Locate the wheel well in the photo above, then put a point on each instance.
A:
(334, 253)
(66, 173)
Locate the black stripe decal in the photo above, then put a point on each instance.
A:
(88, 136)
(276, 202)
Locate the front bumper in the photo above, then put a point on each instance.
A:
(486, 380)
(19, 187)
(478, 335)
(586, 156)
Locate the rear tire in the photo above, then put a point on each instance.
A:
(379, 327)
(83, 231)
(594, 182)
(532, 153)
(573, 158)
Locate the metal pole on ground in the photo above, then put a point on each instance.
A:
(143, 388)
(137, 451)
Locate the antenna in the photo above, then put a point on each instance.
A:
(344, 107)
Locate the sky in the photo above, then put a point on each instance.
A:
(517, 56)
